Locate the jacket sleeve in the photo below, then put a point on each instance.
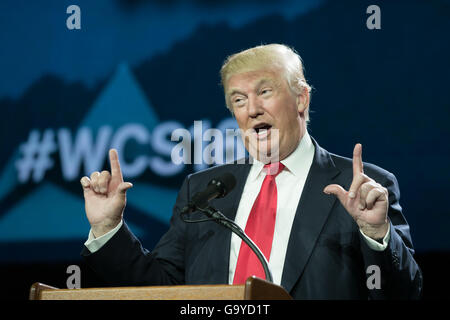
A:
(122, 261)
(401, 277)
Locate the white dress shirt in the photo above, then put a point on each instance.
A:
(290, 183)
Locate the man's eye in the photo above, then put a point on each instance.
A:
(238, 101)
(266, 91)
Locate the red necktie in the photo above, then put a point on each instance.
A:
(260, 227)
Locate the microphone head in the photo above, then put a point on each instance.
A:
(225, 183)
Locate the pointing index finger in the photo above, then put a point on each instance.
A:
(115, 165)
(357, 160)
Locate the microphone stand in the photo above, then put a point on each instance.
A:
(218, 217)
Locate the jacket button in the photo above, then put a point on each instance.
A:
(395, 259)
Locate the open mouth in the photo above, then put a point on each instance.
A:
(262, 130)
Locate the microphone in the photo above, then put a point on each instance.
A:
(217, 188)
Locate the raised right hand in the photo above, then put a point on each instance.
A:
(105, 197)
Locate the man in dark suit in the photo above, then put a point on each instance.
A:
(321, 241)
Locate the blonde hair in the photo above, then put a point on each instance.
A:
(270, 56)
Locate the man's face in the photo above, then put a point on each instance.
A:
(270, 115)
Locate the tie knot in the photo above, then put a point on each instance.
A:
(273, 169)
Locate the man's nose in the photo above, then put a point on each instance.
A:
(254, 106)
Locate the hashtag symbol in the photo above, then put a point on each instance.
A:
(36, 156)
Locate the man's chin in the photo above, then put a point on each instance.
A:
(264, 155)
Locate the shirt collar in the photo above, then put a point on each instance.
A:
(296, 162)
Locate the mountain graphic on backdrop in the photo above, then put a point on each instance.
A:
(120, 102)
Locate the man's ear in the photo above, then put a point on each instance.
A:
(302, 101)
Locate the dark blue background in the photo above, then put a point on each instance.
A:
(387, 89)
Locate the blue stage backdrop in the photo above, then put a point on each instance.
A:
(137, 70)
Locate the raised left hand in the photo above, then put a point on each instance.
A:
(366, 201)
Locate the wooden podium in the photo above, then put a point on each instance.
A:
(254, 289)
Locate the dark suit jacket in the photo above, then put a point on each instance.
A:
(327, 257)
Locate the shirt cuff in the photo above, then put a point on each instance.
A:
(94, 244)
(375, 245)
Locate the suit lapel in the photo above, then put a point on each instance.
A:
(312, 213)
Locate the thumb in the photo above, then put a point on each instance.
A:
(337, 190)
(123, 187)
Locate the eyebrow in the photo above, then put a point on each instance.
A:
(258, 84)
